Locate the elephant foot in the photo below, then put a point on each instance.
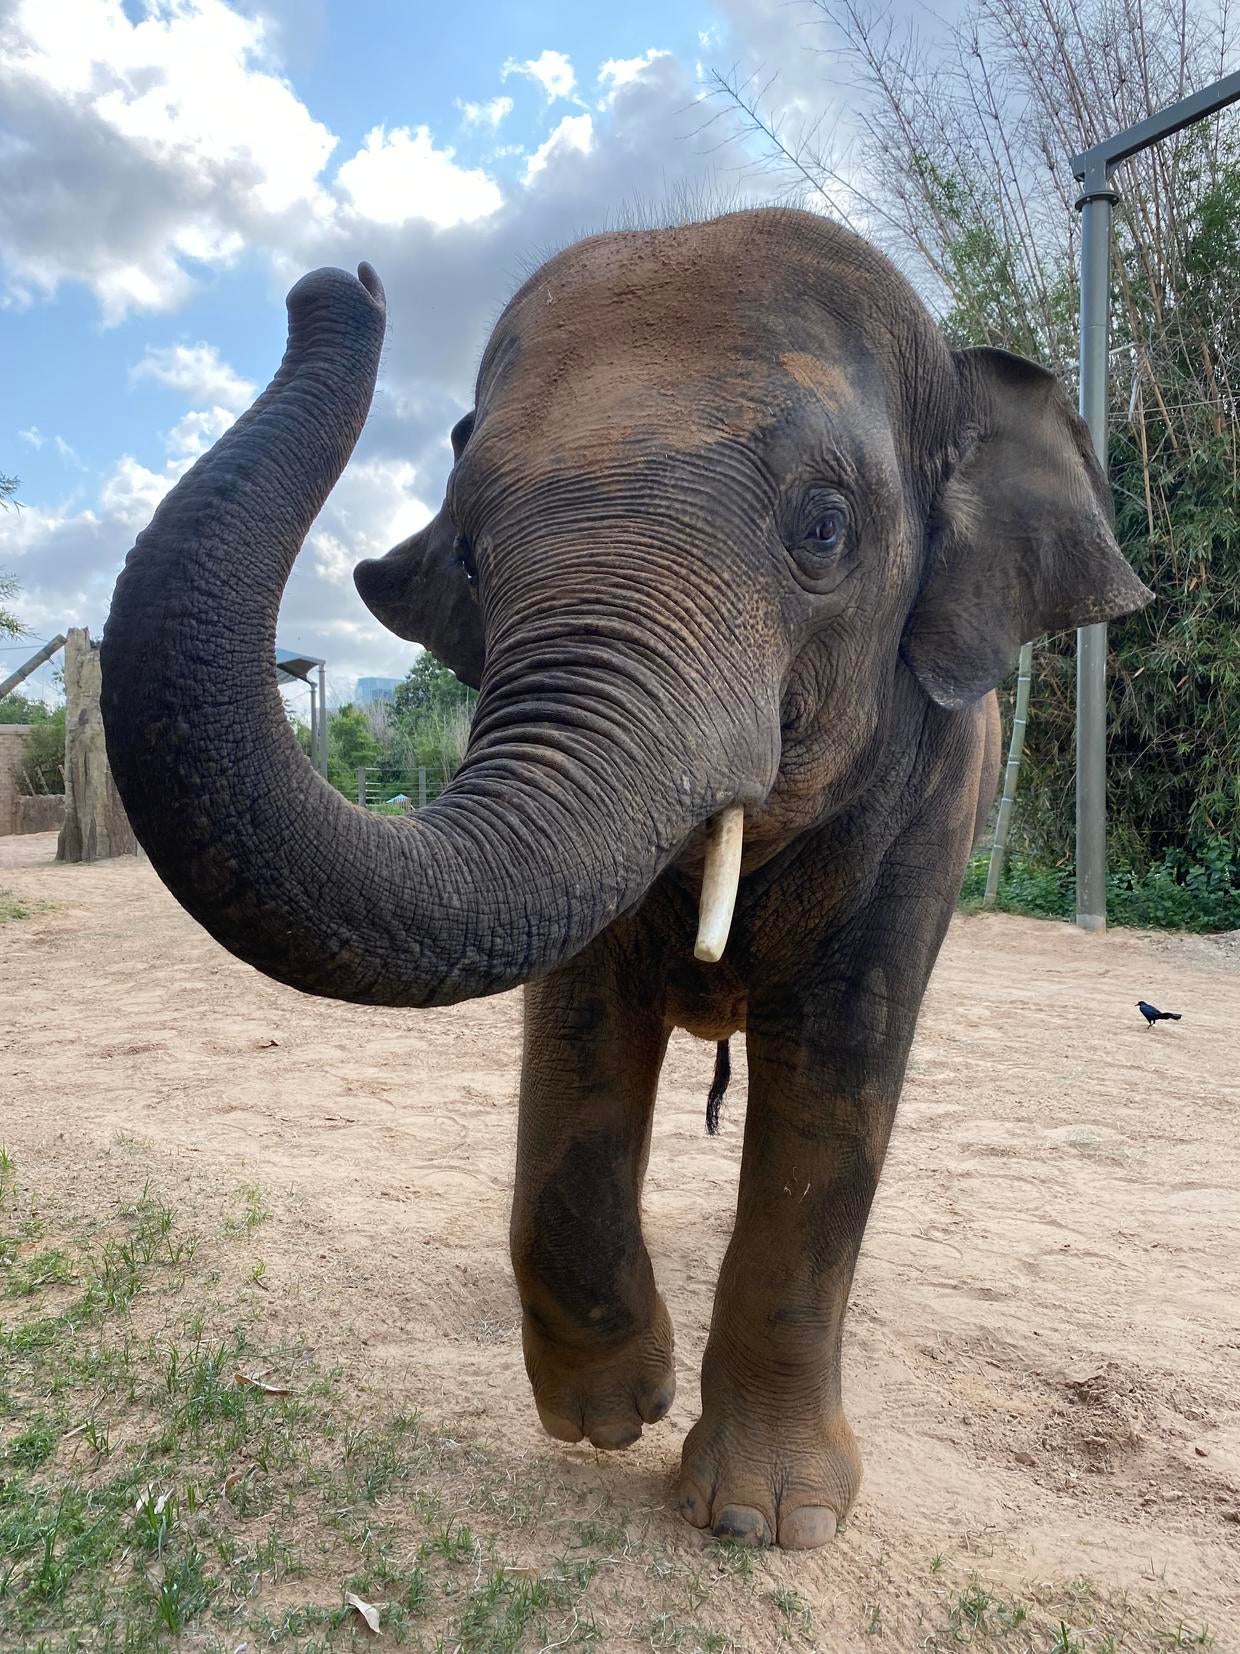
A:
(760, 1479)
(603, 1394)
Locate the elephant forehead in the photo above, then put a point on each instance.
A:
(615, 407)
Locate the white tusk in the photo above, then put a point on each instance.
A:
(720, 877)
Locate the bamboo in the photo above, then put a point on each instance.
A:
(1003, 825)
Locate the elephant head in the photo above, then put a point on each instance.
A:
(727, 521)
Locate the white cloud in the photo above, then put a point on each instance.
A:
(197, 431)
(552, 70)
(623, 71)
(86, 201)
(486, 114)
(34, 438)
(199, 371)
(373, 507)
(574, 133)
(131, 492)
(168, 136)
(399, 176)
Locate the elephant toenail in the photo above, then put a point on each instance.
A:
(612, 1437)
(694, 1508)
(743, 1525)
(564, 1430)
(807, 1527)
(656, 1408)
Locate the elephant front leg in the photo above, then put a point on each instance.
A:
(772, 1459)
(596, 1334)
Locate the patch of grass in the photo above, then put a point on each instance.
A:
(11, 908)
(50, 1268)
(794, 1608)
(738, 1561)
(1073, 1616)
(250, 1213)
(147, 1494)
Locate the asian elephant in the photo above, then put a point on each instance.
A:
(736, 549)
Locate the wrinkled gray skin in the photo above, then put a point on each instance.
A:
(745, 531)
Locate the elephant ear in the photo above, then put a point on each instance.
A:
(419, 590)
(1021, 541)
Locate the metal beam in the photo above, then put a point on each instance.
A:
(1097, 162)
(32, 665)
(1095, 204)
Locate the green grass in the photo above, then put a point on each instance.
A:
(149, 1501)
(147, 1495)
(11, 908)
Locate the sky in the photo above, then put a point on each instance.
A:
(169, 168)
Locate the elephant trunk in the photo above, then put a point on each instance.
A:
(574, 795)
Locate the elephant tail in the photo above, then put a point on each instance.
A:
(714, 1098)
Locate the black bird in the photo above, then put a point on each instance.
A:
(1152, 1014)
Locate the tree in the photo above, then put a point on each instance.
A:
(960, 171)
(350, 747)
(16, 708)
(43, 755)
(430, 687)
(10, 626)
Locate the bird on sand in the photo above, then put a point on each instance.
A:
(1152, 1014)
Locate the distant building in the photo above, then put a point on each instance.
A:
(375, 689)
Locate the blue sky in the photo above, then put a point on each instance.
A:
(172, 166)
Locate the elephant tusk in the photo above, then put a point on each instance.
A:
(720, 877)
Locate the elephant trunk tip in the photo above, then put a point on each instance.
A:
(369, 278)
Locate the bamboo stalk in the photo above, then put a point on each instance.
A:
(1003, 825)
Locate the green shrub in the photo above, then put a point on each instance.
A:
(1177, 893)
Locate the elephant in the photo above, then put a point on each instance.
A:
(736, 549)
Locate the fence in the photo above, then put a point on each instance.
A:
(387, 793)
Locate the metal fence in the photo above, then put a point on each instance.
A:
(388, 793)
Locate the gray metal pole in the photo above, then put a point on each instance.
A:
(361, 785)
(1095, 206)
(322, 720)
(32, 665)
(314, 728)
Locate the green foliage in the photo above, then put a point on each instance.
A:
(424, 726)
(22, 709)
(1177, 893)
(10, 626)
(350, 745)
(430, 688)
(43, 754)
(964, 144)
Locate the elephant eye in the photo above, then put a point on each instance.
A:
(464, 554)
(827, 530)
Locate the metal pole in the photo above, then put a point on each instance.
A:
(1003, 824)
(322, 720)
(421, 787)
(32, 665)
(314, 729)
(1093, 170)
(1095, 204)
(361, 785)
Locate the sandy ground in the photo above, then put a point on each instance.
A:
(1044, 1342)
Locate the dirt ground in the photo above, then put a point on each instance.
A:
(1044, 1343)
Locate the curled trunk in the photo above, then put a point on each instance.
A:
(556, 823)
